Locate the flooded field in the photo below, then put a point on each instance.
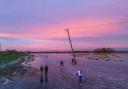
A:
(101, 71)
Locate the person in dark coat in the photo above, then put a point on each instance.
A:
(41, 77)
(72, 61)
(61, 65)
(46, 74)
(41, 68)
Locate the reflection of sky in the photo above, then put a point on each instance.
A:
(40, 24)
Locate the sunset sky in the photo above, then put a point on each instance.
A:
(40, 24)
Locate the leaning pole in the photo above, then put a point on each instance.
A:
(71, 45)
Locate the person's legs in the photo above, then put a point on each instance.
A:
(62, 67)
(80, 79)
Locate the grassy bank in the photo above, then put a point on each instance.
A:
(5, 58)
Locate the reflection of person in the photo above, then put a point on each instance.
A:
(46, 78)
(41, 78)
(46, 73)
(79, 73)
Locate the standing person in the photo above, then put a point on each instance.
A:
(80, 75)
(46, 73)
(41, 70)
(61, 65)
(72, 61)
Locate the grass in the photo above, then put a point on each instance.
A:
(5, 58)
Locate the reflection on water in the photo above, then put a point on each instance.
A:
(97, 72)
(46, 78)
(41, 78)
(40, 59)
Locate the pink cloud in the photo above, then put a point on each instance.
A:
(78, 28)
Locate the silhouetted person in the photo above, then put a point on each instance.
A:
(61, 65)
(46, 69)
(46, 73)
(72, 61)
(41, 70)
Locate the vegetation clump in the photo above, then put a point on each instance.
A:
(104, 50)
(10, 55)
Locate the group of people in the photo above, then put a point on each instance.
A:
(44, 73)
(45, 70)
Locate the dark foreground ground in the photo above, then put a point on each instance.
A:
(98, 74)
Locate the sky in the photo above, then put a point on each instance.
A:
(40, 25)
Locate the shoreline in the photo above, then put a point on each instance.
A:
(9, 71)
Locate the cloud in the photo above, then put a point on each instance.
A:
(39, 23)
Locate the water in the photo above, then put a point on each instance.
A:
(99, 74)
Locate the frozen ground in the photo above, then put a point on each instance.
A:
(101, 72)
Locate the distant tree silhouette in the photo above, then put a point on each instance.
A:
(104, 50)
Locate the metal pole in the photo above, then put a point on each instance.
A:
(71, 45)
